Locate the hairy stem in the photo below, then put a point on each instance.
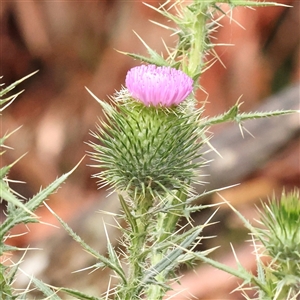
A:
(137, 250)
(199, 35)
(165, 228)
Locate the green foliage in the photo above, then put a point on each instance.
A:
(17, 210)
(9, 99)
(111, 262)
(193, 29)
(23, 213)
(234, 115)
(147, 266)
(281, 238)
(6, 277)
(154, 58)
(282, 220)
(279, 278)
(193, 24)
(147, 155)
(50, 292)
(79, 295)
(45, 289)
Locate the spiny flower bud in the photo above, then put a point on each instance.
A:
(148, 147)
(154, 86)
(282, 235)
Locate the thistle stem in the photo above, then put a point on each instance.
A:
(137, 250)
(165, 228)
(156, 291)
(199, 33)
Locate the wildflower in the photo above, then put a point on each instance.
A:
(156, 86)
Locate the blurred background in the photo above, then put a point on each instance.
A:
(74, 44)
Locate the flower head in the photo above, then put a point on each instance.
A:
(156, 86)
(282, 222)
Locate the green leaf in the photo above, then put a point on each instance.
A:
(13, 85)
(5, 289)
(240, 273)
(176, 239)
(107, 262)
(8, 248)
(113, 255)
(7, 195)
(9, 99)
(143, 58)
(155, 58)
(254, 3)
(259, 115)
(11, 275)
(24, 212)
(79, 295)
(4, 170)
(168, 262)
(233, 115)
(35, 202)
(7, 135)
(45, 289)
(129, 217)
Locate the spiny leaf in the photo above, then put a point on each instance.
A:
(155, 58)
(176, 239)
(254, 3)
(35, 201)
(107, 262)
(9, 100)
(243, 219)
(240, 273)
(144, 58)
(5, 288)
(8, 248)
(4, 170)
(24, 212)
(13, 85)
(6, 136)
(79, 295)
(168, 262)
(45, 289)
(258, 115)
(7, 195)
(112, 254)
(129, 216)
(233, 115)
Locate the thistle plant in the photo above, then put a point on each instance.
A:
(148, 150)
(277, 241)
(280, 237)
(149, 144)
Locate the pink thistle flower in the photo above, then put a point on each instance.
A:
(156, 86)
